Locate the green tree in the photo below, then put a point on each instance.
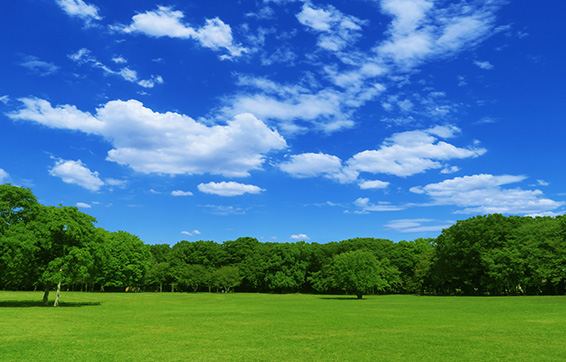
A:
(358, 272)
(227, 277)
(61, 233)
(160, 274)
(127, 260)
(193, 276)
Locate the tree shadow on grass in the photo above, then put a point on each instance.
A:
(342, 298)
(34, 303)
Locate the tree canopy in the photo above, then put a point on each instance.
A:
(55, 247)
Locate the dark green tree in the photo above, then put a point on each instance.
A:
(358, 272)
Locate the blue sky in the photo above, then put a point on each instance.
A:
(285, 120)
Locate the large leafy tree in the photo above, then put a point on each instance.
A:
(227, 277)
(358, 272)
(127, 260)
(63, 234)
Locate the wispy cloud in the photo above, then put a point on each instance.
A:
(84, 56)
(418, 225)
(80, 9)
(166, 22)
(38, 67)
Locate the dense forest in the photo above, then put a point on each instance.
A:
(60, 248)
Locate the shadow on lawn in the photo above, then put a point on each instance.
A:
(341, 298)
(34, 303)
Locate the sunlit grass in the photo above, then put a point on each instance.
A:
(264, 327)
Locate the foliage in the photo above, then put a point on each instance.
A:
(358, 272)
(47, 246)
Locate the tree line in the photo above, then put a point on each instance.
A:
(60, 248)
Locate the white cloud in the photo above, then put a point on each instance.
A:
(39, 67)
(80, 9)
(83, 205)
(486, 65)
(417, 225)
(229, 188)
(421, 30)
(542, 183)
(3, 176)
(313, 165)
(375, 184)
(223, 210)
(166, 22)
(412, 152)
(190, 233)
(65, 116)
(75, 172)
(365, 206)
(337, 30)
(299, 237)
(4, 99)
(483, 194)
(301, 105)
(167, 143)
(84, 56)
(181, 193)
(115, 182)
(403, 154)
(119, 60)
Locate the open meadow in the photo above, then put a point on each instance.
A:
(292, 327)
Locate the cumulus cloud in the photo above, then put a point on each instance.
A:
(484, 193)
(412, 152)
(403, 154)
(314, 165)
(80, 9)
(181, 193)
(166, 143)
(166, 22)
(375, 184)
(299, 237)
(75, 172)
(229, 188)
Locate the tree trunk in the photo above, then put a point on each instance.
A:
(56, 304)
(359, 295)
(160, 287)
(46, 296)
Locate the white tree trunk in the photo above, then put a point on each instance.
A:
(57, 296)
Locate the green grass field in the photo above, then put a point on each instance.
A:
(295, 327)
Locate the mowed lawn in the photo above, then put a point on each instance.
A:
(293, 327)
